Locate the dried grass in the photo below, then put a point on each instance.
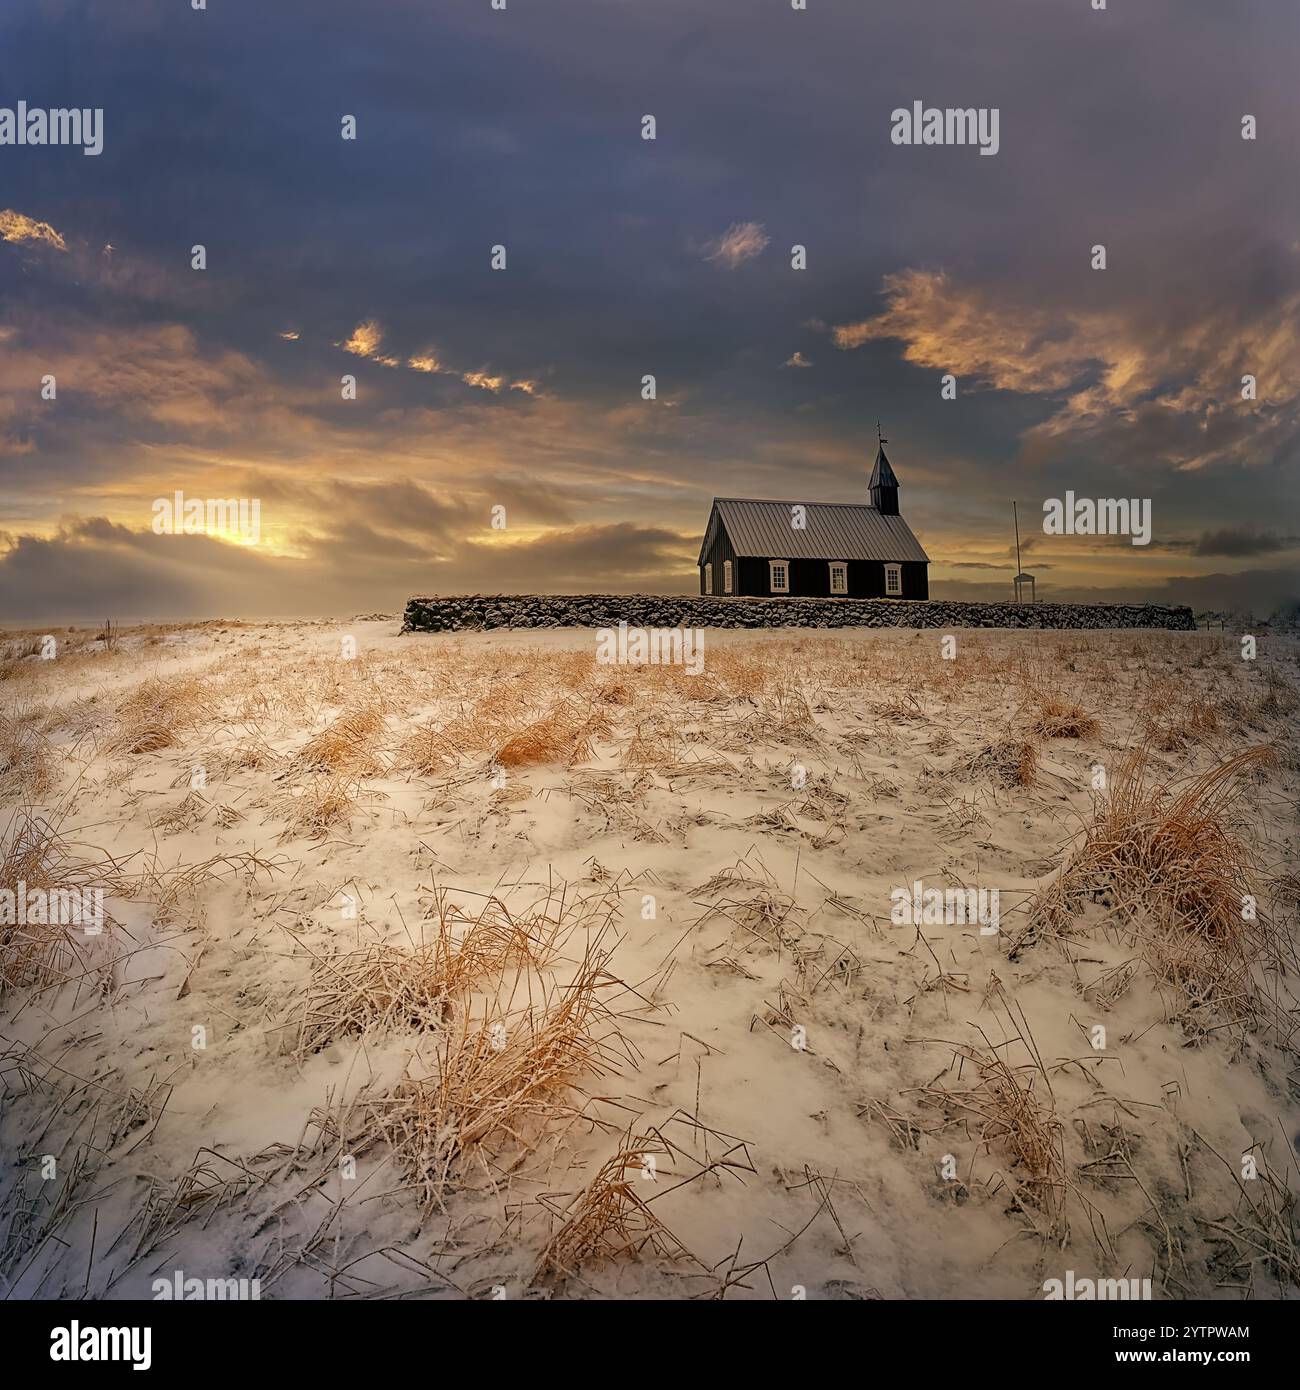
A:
(1007, 762)
(384, 988)
(496, 1083)
(1263, 1234)
(34, 853)
(157, 712)
(1177, 875)
(1016, 1115)
(563, 734)
(476, 729)
(609, 1219)
(26, 762)
(374, 988)
(209, 1186)
(326, 803)
(1180, 723)
(1055, 716)
(348, 744)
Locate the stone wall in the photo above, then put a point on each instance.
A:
(458, 614)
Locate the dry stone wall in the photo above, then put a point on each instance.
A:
(475, 611)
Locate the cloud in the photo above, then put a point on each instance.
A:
(970, 332)
(365, 339)
(91, 566)
(153, 372)
(483, 380)
(16, 227)
(1176, 380)
(796, 359)
(741, 242)
(429, 362)
(364, 342)
(1240, 541)
(368, 336)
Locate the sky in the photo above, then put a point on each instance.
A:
(516, 394)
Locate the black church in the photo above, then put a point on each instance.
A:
(758, 548)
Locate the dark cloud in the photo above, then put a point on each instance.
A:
(1243, 543)
(93, 568)
(988, 565)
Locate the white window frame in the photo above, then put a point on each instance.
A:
(840, 567)
(894, 572)
(708, 578)
(771, 576)
(728, 578)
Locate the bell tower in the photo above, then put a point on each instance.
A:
(883, 487)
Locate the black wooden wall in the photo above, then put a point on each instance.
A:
(812, 578)
(719, 551)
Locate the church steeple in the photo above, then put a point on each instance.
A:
(883, 486)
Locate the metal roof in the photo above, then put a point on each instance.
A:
(834, 531)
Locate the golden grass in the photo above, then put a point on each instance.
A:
(1057, 717)
(656, 742)
(1174, 719)
(479, 725)
(901, 707)
(250, 756)
(378, 989)
(610, 1219)
(500, 1081)
(34, 854)
(1179, 876)
(179, 888)
(157, 712)
(613, 691)
(348, 744)
(1016, 1115)
(325, 803)
(428, 750)
(1008, 761)
(1171, 845)
(26, 762)
(385, 988)
(563, 734)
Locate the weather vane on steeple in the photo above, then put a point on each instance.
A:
(880, 438)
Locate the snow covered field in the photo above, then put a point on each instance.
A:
(446, 965)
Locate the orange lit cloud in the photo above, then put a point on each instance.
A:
(483, 380)
(16, 227)
(1109, 366)
(364, 342)
(367, 339)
